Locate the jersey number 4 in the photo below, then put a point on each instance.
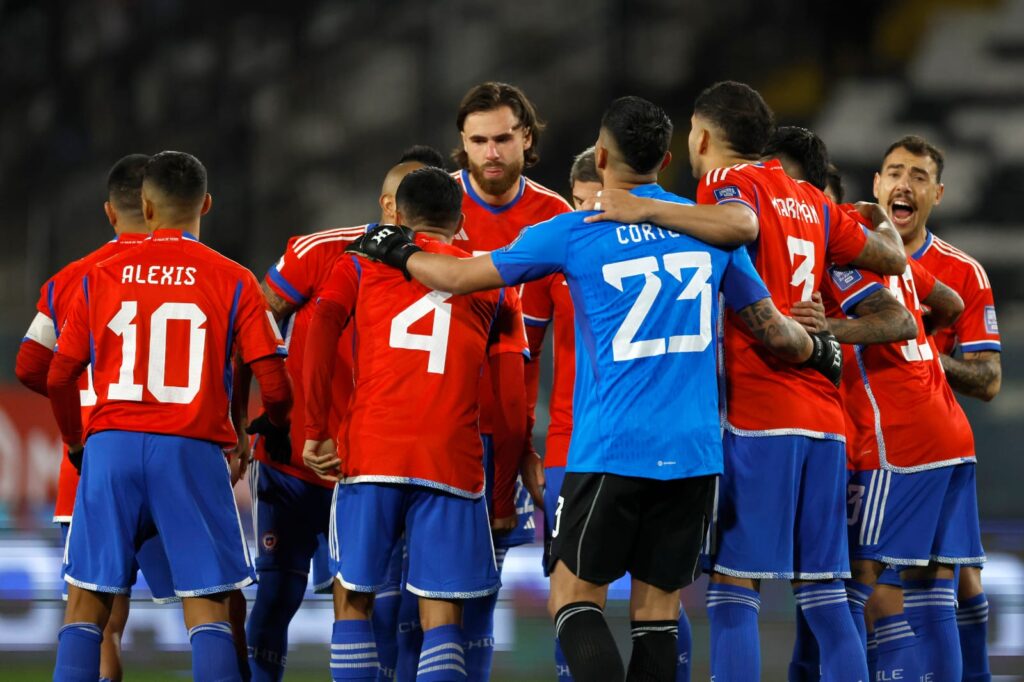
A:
(123, 325)
(698, 288)
(436, 342)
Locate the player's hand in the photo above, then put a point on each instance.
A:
(531, 468)
(239, 457)
(276, 440)
(826, 356)
(616, 205)
(505, 524)
(388, 244)
(810, 314)
(322, 457)
(75, 453)
(871, 211)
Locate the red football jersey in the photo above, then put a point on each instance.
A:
(161, 322)
(297, 277)
(976, 329)
(55, 299)
(901, 413)
(418, 356)
(488, 228)
(548, 300)
(801, 231)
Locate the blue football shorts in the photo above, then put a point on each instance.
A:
(448, 539)
(780, 509)
(553, 477)
(150, 561)
(137, 485)
(291, 520)
(913, 519)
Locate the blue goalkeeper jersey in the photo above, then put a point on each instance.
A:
(645, 401)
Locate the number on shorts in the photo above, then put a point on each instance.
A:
(854, 503)
(698, 287)
(436, 342)
(558, 516)
(123, 325)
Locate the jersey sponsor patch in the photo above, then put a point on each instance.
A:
(991, 325)
(845, 277)
(730, 192)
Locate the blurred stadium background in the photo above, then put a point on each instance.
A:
(298, 108)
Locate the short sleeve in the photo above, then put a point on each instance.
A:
(539, 250)
(924, 281)
(977, 328)
(73, 340)
(290, 277)
(727, 186)
(848, 286)
(508, 335)
(845, 234)
(538, 304)
(255, 329)
(741, 285)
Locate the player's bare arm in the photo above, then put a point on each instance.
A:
(278, 305)
(718, 225)
(455, 275)
(880, 319)
(945, 307)
(883, 251)
(979, 375)
(782, 336)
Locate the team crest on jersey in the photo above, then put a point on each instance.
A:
(845, 277)
(730, 192)
(991, 325)
(269, 541)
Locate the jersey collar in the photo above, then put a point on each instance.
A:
(172, 235)
(131, 237)
(471, 193)
(924, 247)
(648, 190)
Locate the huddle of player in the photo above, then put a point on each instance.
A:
(412, 381)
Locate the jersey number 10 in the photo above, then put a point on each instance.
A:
(123, 325)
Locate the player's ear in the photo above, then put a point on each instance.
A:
(527, 139)
(600, 156)
(705, 141)
(207, 203)
(387, 206)
(148, 210)
(462, 221)
(111, 212)
(874, 186)
(665, 162)
(938, 193)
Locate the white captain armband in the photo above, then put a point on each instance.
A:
(42, 332)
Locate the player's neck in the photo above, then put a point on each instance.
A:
(496, 199)
(442, 237)
(189, 226)
(130, 229)
(910, 246)
(627, 181)
(723, 160)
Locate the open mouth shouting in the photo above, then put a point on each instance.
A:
(902, 210)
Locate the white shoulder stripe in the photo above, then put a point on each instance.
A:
(541, 189)
(302, 241)
(953, 252)
(299, 253)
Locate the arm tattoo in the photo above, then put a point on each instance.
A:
(279, 306)
(978, 375)
(946, 306)
(879, 253)
(880, 319)
(782, 336)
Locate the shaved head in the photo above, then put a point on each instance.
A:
(397, 173)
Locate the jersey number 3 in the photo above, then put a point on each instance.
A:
(698, 288)
(123, 325)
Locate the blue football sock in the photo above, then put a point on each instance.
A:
(561, 665)
(78, 653)
(828, 614)
(804, 667)
(353, 652)
(972, 622)
(735, 649)
(278, 596)
(684, 645)
(214, 658)
(857, 595)
(930, 608)
(897, 653)
(409, 638)
(385, 631)
(442, 658)
(873, 655)
(478, 630)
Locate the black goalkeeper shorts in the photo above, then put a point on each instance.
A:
(607, 525)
